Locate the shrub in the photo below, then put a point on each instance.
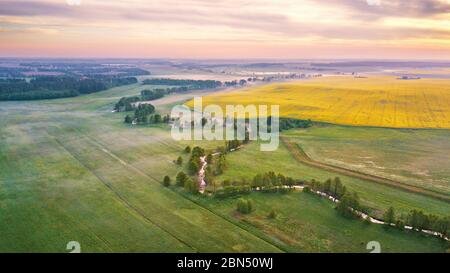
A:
(187, 149)
(272, 214)
(166, 181)
(307, 189)
(244, 206)
(179, 161)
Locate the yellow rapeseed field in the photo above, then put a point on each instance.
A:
(373, 101)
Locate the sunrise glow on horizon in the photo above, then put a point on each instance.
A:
(285, 29)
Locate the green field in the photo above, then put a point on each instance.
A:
(417, 157)
(250, 161)
(70, 170)
(306, 223)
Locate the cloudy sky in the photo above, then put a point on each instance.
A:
(296, 29)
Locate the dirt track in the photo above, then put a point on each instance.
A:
(298, 153)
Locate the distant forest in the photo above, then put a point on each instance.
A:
(190, 84)
(52, 87)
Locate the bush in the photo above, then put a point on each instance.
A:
(166, 181)
(307, 190)
(231, 191)
(244, 206)
(187, 149)
(272, 214)
(179, 161)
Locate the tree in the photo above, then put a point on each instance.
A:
(337, 187)
(187, 149)
(128, 119)
(198, 152)
(157, 118)
(209, 158)
(209, 178)
(193, 166)
(191, 185)
(442, 225)
(166, 181)
(179, 160)
(327, 186)
(181, 179)
(244, 206)
(389, 216)
(418, 220)
(220, 164)
(166, 119)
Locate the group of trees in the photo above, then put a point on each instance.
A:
(125, 104)
(270, 181)
(220, 164)
(418, 221)
(232, 191)
(152, 94)
(145, 114)
(141, 113)
(49, 87)
(235, 83)
(348, 205)
(194, 163)
(189, 185)
(332, 187)
(290, 123)
(232, 145)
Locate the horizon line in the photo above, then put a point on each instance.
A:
(234, 59)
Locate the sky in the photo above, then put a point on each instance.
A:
(219, 29)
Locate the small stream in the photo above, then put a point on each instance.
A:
(201, 175)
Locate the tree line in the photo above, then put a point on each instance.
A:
(190, 84)
(50, 87)
(268, 182)
(349, 204)
(418, 220)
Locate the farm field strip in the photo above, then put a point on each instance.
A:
(121, 198)
(69, 204)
